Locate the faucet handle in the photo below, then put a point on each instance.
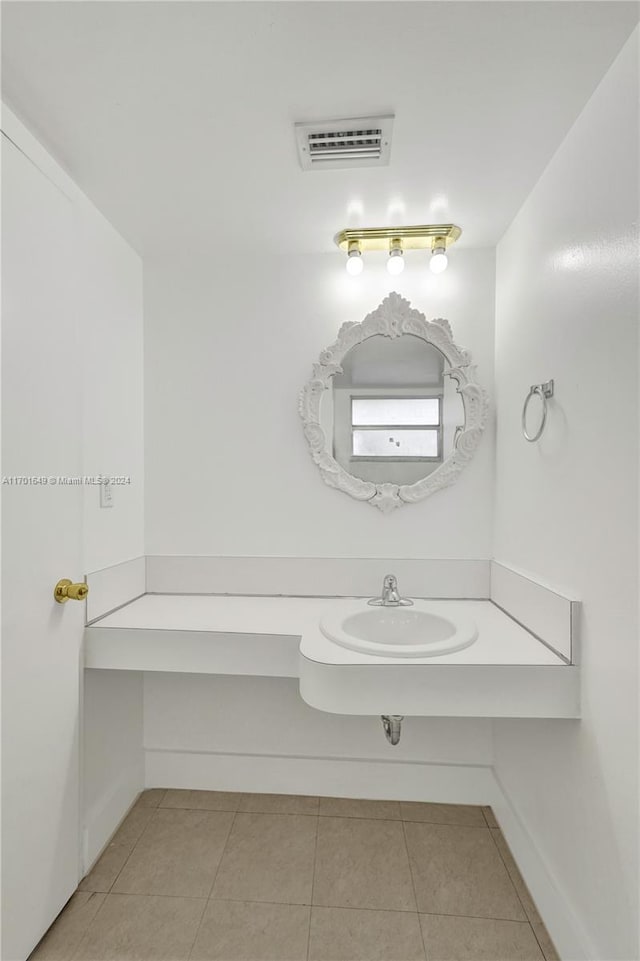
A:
(390, 595)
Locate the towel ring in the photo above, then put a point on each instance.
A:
(543, 391)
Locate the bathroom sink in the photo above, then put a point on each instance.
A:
(415, 631)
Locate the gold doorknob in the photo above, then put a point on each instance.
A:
(65, 590)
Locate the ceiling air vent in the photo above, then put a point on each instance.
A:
(359, 142)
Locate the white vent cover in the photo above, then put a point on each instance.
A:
(358, 142)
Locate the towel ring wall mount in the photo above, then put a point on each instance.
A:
(543, 391)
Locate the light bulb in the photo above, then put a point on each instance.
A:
(439, 260)
(355, 265)
(395, 263)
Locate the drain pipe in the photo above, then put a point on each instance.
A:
(392, 724)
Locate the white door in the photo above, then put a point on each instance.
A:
(42, 534)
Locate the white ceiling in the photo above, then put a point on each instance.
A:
(176, 118)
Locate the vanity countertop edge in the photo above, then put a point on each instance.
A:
(505, 673)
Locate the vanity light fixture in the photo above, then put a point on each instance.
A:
(396, 240)
(354, 259)
(395, 263)
(439, 259)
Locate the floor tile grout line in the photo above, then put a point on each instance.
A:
(230, 810)
(313, 880)
(307, 904)
(159, 804)
(443, 824)
(224, 848)
(332, 907)
(197, 932)
(153, 808)
(320, 813)
(472, 917)
(540, 945)
(134, 846)
(242, 797)
(148, 894)
(340, 907)
(415, 893)
(345, 817)
(537, 941)
(126, 860)
(524, 907)
(506, 867)
(307, 814)
(213, 883)
(76, 953)
(256, 810)
(203, 810)
(486, 819)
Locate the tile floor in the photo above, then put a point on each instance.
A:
(215, 876)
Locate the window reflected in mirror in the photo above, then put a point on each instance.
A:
(392, 413)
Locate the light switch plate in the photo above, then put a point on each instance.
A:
(106, 494)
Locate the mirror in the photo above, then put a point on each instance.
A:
(393, 411)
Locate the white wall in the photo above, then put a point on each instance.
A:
(229, 341)
(566, 508)
(111, 329)
(110, 326)
(249, 733)
(265, 715)
(106, 302)
(113, 768)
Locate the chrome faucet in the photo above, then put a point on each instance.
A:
(390, 596)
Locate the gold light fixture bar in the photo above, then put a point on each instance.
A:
(412, 238)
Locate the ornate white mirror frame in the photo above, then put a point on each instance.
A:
(394, 317)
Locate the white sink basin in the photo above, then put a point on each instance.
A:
(396, 631)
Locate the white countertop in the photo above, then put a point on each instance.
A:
(501, 640)
(505, 673)
(217, 613)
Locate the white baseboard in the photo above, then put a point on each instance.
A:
(336, 777)
(563, 924)
(104, 816)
